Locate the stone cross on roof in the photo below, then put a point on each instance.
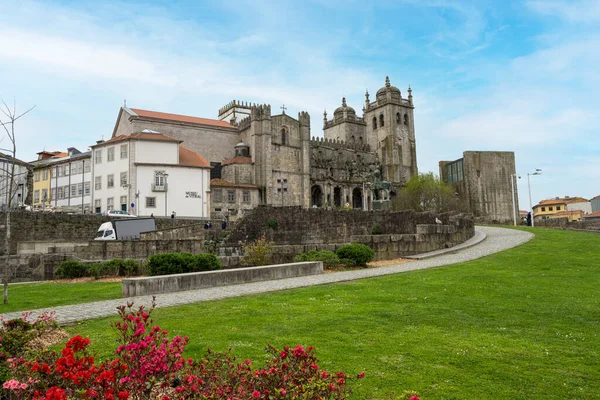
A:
(283, 108)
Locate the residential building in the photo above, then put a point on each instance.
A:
(148, 173)
(20, 192)
(595, 202)
(546, 208)
(42, 176)
(231, 201)
(70, 184)
(482, 180)
(574, 215)
(595, 216)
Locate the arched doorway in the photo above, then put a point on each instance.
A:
(316, 196)
(357, 200)
(337, 197)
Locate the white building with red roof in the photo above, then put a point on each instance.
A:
(148, 173)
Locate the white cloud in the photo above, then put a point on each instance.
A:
(586, 11)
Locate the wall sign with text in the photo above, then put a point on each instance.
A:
(192, 195)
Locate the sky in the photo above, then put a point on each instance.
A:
(520, 76)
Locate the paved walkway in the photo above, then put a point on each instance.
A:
(487, 241)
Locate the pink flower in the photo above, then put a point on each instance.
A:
(256, 394)
(414, 398)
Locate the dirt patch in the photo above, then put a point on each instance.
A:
(372, 264)
(48, 338)
(88, 279)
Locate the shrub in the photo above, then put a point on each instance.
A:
(147, 364)
(71, 269)
(272, 223)
(376, 230)
(129, 268)
(347, 262)
(258, 253)
(114, 267)
(181, 263)
(329, 258)
(359, 253)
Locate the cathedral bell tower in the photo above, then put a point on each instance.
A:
(391, 132)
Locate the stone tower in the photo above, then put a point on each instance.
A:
(390, 131)
(260, 143)
(345, 125)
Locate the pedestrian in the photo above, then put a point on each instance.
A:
(151, 215)
(206, 225)
(172, 214)
(209, 225)
(224, 224)
(529, 219)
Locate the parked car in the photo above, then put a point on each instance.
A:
(118, 213)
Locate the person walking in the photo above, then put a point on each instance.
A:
(173, 215)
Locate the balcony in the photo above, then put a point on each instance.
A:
(159, 188)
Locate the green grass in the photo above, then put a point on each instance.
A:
(520, 324)
(43, 295)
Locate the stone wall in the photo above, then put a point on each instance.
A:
(30, 226)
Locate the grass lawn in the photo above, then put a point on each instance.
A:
(42, 295)
(520, 324)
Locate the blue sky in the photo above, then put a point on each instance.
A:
(519, 76)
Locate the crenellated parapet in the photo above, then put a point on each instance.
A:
(260, 112)
(339, 144)
(304, 118)
(235, 104)
(244, 124)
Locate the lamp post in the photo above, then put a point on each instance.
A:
(282, 182)
(536, 172)
(513, 180)
(166, 189)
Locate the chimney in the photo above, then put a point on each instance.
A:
(99, 141)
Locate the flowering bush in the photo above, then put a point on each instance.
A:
(147, 365)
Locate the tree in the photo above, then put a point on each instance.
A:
(9, 127)
(426, 192)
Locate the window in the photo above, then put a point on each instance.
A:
(123, 151)
(283, 136)
(87, 188)
(218, 195)
(36, 196)
(66, 169)
(398, 119)
(406, 119)
(550, 209)
(231, 196)
(159, 178)
(124, 203)
(374, 122)
(123, 178)
(73, 190)
(45, 175)
(110, 154)
(36, 177)
(53, 193)
(98, 183)
(246, 197)
(98, 205)
(54, 171)
(88, 166)
(59, 192)
(543, 208)
(110, 181)
(150, 202)
(557, 208)
(454, 171)
(381, 122)
(44, 195)
(80, 189)
(66, 191)
(98, 156)
(110, 203)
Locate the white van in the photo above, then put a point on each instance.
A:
(106, 232)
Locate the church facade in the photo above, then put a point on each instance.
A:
(261, 158)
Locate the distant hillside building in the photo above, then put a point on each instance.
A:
(595, 203)
(482, 179)
(550, 207)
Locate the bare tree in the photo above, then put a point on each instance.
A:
(11, 116)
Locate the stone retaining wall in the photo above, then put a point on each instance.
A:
(198, 280)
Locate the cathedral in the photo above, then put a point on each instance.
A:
(261, 158)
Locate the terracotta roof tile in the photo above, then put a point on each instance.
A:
(181, 118)
(592, 215)
(191, 159)
(569, 212)
(238, 160)
(223, 183)
(562, 200)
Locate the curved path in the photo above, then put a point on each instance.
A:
(486, 241)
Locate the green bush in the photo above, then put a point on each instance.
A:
(114, 267)
(359, 253)
(129, 268)
(71, 269)
(180, 263)
(347, 262)
(329, 258)
(258, 253)
(272, 223)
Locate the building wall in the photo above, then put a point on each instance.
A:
(595, 202)
(102, 170)
(186, 194)
(77, 171)
(41, 184)
(239, 173)
(20, 188)
(232, 209)
(347, 132)
(214, 143)
(584, 206)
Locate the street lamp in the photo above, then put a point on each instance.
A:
(513, 180)
(282, 182)
(536, 172)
